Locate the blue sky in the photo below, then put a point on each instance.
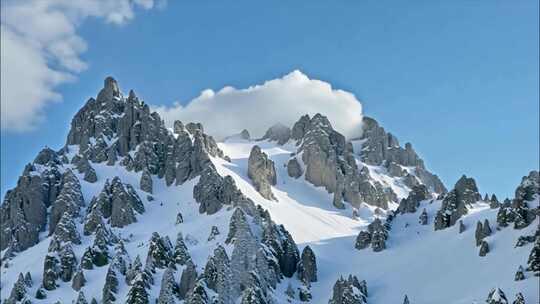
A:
(458, 79)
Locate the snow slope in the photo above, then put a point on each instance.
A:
(428, 266)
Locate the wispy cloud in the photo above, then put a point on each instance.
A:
(40, 49)
(256, 108)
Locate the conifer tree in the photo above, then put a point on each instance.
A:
(533, 263)
(520, 275)
(180, 252)
(137, 293)
(519, 299)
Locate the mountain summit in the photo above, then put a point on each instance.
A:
(130, 211)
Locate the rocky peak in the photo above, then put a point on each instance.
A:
(279, 133)
(382, 148)
(456, 203)
(466, 190)
(245, 135)
(529, 187)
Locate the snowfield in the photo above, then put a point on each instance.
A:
(426, 265)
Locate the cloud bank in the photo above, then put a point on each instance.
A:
(257, 108)
(40, 49)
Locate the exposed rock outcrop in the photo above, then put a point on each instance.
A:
(294, 169)
(455, 204)
(118, 203)
(262, 172)
(307, 268)
(279, 133)
(23, 214)
(213, 191)
(382, 148)
(417, 194)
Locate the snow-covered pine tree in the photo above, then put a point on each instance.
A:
(180, 252)
(533, 263)
(19, 290)
(519, 299)
(110, 287)
(213, 233)
(479, 233)
(502, 216)
(253, 295)
(362, 240)
(496, 296)
(67, 263)
(159, 253)
(137, 294)
(379, 234)
(81, 299)
(520, 275)
(423, 219)
(406, 299)
(50, 272)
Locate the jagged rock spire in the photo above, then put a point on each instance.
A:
(262, 172)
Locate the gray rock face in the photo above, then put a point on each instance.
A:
(328, 159)
(146, 182)
(455, 203)
(213, 191)
(78, 280)
(329, 162)
(519, 211)
(129, 126)
(484, 249)
(23, 214)
(294, 169)
(279, 133)
(118, 203)
(461, 226)
(380, 147)
(262, 172)
(245, 135)
(411, 203)
(69, 200)
(187, 280)
(307, 268)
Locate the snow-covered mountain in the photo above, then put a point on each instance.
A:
(129, 211)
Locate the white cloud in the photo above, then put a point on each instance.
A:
(256, 108)
(40, 49)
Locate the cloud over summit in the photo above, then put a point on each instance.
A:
(282, 100)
